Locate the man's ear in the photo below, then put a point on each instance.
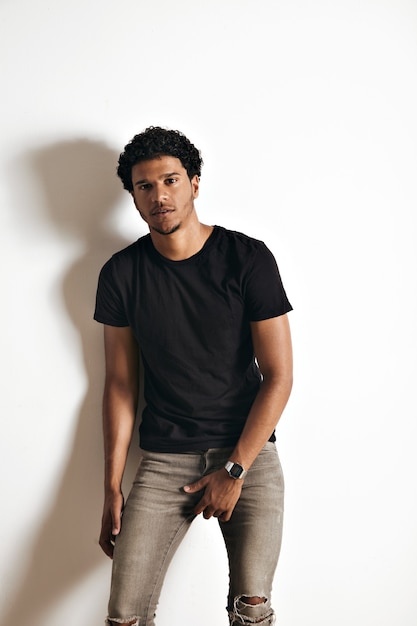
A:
(195, 184)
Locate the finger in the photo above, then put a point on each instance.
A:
(208, 512)
(116, 516)
(199, 508)
(106, 540)
(116, 525)
(107, 546)
(197, 486)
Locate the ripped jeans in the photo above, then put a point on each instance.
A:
(158, 514)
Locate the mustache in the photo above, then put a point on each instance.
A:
(159, 207)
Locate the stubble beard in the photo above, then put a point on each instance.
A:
(172, 230)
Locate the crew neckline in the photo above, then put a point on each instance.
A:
(207, 245)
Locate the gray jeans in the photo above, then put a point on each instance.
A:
(158, 514)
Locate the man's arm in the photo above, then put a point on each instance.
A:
(272, 346)
(119, 410)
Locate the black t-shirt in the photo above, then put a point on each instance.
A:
(191, 319)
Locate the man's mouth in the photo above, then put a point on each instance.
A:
(161, 211)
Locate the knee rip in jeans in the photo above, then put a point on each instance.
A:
(249, 610)
(130, 621)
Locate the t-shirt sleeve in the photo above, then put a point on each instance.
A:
(110, 308)
(265, 295)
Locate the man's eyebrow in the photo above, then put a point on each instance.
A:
(166, 175)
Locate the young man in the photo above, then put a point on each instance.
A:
(207, 310)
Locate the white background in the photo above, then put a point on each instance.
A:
(305, 113)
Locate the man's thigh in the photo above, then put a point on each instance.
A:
(155, 519)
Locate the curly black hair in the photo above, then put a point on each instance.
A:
(156, 141)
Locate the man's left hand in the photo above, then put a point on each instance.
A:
(221, 493)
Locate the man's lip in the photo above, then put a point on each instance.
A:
(161, 211)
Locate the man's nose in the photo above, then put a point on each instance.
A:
(159, 193)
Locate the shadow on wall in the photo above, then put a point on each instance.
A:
(81, 193)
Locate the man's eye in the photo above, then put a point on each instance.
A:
(144, 187)
(171, 181)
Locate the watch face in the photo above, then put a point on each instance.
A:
(236, 470)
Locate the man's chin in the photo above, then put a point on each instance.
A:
(166, 231)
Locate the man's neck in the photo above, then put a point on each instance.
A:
(183, 243)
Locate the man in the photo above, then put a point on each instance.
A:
(207, 310)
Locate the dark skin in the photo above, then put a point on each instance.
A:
(164, 197)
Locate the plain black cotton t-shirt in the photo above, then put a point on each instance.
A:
(191, 319)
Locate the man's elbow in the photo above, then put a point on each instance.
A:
(121, 389)
(281, 382)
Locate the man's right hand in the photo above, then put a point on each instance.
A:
(111, 521)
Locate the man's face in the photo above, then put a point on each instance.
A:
(163, 194)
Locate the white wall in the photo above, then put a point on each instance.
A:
(305, 114)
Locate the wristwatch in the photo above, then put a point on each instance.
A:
(235, 470)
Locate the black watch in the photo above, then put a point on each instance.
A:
(235, 470)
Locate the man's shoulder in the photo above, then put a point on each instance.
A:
(121, 265)
(130, 253)
(239, 241)
(133, 249)
(239, 237)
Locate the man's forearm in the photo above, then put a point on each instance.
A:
(262, 419)
(273, 351)
(119, 411)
